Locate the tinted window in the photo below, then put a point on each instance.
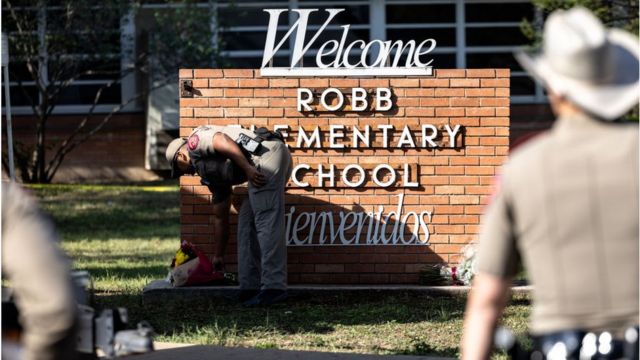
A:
(420, 14)
(497, 36)
(492, 60)
(521, 85)
(498, 12)
(443, 37)
(85, 94)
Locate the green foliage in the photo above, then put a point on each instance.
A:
(613, 13)
(621, 14)
(182, 37)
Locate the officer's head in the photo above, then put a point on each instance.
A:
(178, 157)
(585, 65)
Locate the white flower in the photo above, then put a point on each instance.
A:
(468, 265)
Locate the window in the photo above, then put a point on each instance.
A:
(492, 34)
(425, 20)
(96, 56)
(469, 34)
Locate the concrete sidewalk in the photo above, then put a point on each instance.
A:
(198, 352)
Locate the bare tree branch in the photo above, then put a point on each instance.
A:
(69, 144)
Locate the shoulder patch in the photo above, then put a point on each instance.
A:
(193, 142)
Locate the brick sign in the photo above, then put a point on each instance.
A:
(390, 173)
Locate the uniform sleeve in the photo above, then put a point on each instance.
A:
(200, 142)
(497, 254)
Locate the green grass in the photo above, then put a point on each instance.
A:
(126, 236)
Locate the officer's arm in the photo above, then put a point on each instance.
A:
(225, 146)
(221, 228)
(484, 307)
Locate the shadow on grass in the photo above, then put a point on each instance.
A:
(112, 212)
(520, 300)
(421, 348)
(301, 316)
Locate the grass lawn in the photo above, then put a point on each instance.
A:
(126, 236)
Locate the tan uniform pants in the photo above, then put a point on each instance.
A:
(262, 248)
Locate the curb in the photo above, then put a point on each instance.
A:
(161, 290)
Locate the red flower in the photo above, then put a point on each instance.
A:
(454, 275)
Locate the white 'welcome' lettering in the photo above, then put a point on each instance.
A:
(332, 59)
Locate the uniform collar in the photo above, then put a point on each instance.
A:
(579, 122)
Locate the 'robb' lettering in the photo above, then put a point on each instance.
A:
(359, 99)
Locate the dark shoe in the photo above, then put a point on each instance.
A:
(244, 295)
(267, 297)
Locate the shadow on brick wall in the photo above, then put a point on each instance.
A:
(359, 243)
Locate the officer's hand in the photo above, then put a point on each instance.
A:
(256, 177)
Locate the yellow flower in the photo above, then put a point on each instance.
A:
(181, 257)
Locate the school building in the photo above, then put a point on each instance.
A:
(470, 34)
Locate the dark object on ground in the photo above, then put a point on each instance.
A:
(106, 331)
(267, 297)
(245, 295)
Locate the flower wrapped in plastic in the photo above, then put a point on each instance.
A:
(191, 266)
(468, 266)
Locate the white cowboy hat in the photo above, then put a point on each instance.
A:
(594, 67)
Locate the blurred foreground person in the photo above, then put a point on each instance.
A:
(567, 202)
(38, 274)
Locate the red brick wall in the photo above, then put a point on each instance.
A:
(454, 183)
(115, 153)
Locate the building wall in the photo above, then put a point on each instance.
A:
(454, 182)
(115, 153)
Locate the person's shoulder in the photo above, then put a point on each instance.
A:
(207, 128)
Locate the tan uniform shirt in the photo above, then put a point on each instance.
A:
(209, 165)
(567, 205)
(39, 275)
(200, 141)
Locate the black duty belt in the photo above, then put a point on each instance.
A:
(571, 345)
(577, 344)
(268, 135)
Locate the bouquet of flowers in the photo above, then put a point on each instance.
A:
(461, 274)
(190, 266)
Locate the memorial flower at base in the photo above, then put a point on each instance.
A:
(467, 268)
(461, 274)
(450, 274)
